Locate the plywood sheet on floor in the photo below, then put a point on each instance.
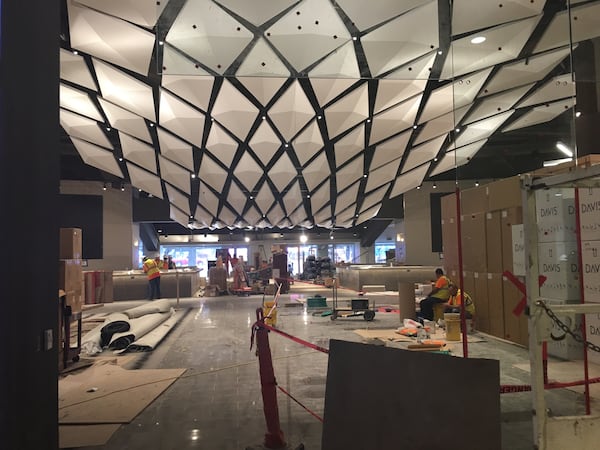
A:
(422, 401)
(384, 335)
(75, 436)
(110, 394)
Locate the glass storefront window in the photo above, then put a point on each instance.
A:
(380, 250)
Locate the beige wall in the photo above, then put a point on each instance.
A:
(119, 233)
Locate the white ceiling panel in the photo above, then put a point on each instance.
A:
(381, 11)
(141, 12)
(326, 89)
(221, 145)
(341, 63)
(236, 198)
(293, 198)
(352, 109)
(349, 146)
(368, 214)
(323, 218)
(558, 87)
(482, 129)
(541, 114)
(320, 197)
(403, 39)
(257, 12)
(124, 90)
(175, 149)
(262, 61)
(316, 172)
(307, 143)
(374, 197)
(178, 199)
(458, 157)
(110, 38)
(179, 216)
(176, 63)
(585, 24)
(308, 32)
(382, 175)
(180, 118)
(394, 120)
(207, 199)
(469, 16)
(126, 121)
(208, 34)
(298, 216)
(74, 69)
(138, 152)
(252, 216)
(195, 89)
(495, 104)
(346, 198)
(283, 172)
(419, 69)
(441, 125)
(262, 88)
(390, 150)
(83, 128)
(423, 153)
(349, 173)
(276, 215)
(264, 198)
(202, 218)
(409, 180)
(142, 179)
(345, 218)
(265, 142)
(234, 111)
(98, 157)
(392, 92)
(502, 44)
(291, 111)
(79, 102)
(248, 171)
(175, 174)
(227, 216)
(211, 173)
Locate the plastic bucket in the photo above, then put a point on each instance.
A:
(268, 309)
(452, 321)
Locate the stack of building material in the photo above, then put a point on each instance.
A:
(217, 276)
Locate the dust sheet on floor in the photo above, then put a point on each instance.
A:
(392, 335)
(74, 436)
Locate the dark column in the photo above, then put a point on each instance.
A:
(586, 61)
(29, 184)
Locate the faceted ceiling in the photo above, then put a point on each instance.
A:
(305, 113)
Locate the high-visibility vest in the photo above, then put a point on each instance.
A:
(456, 300)
(151, 269)
(442, 284)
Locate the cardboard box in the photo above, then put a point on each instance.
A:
(515, 327)
(474, 242)
(504, 194)
(70, 275)
(481, 300)
(589, 214)
(592, 324)
(474, 200)
(70, 243)
(495, 304)
(518, 250)
(493, 234)
(561, 345)
(508, 218)
(590, 257)
(559, 263)
(555, 215)
(448, 206)
(450, 243)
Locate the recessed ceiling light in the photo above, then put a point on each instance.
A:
(440, 52)
(478, 40)
(120, 159)
(161, 43)
(578, 114)
(75, 52)
(193, 175)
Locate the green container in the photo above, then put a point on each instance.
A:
(316, 302)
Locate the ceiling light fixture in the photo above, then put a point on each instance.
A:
(578, 114)
(122, 187)
(563, 148)
(246, 239)
(104, 187)
(193, 175)
(418, 187)
(303, 238)
(476, 183)
(120, 159)
(434, 186)
(556, 162)
(478, 40)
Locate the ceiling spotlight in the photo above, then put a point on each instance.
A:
(264, 117)
(331, 237)
(478, 40)
(476, 183)
(159, 231)
(139, 189)
(193, 175)
(75, 52)
(414, 127)
(307, 195)
(303, 238)
(563, 148)
(354, 38)
(151, 124)
(418, 187)
(251, 197)
(440, 52)
(319, 117)
(246, 239)
(286, 145)
(161, 43)
(578, 114)
(107, 128)
(365, 175)
(120, 159)
(122, 187)
(435, 159)
(434, 186)
(104, 187)
(457, 130)
(368, 120)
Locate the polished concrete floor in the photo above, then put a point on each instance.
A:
(217, 404)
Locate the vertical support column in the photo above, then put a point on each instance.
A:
(463, 321)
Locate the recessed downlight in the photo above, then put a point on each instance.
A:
(478, 40)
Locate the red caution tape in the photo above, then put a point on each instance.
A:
(289, 336)
(518, 310)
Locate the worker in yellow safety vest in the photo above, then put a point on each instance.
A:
(152, 270)
(456, 299)
(439, 294)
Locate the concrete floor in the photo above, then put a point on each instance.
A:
(217, 404)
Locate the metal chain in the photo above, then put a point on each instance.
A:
(566, 329)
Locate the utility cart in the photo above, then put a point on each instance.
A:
(358, 307)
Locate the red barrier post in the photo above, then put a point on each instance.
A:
(274, 436)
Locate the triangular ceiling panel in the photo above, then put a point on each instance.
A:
(175, 174)
(392, 92)
(110, 38)
(234, 111)
(179, 216)
(145, 180)
(74, 69)
(236, 198)
(409, 180)
(208, 34)
(441, 125)
(293, 198)
(308, 32)
(559, 87)
(211, 173)
(349, 173)
(181, 119)
(350, 110)
(316, 172)
(458, 157)
(326, 89)
(98, 157)
(298, 216)
(175, 149)
(495, 104)
(368, 214)
(541, 114)
(482, 129)
(207, 199)
(584, 24)
(264, 199)
(395, 119)
(365, 18)
(124, 90)
(178, 199)
(265, 142)
(374, 197)
(320, 197)
(126, 121)
(144, 14)
(346, 198)
(257, 12)
(419, 69)
(227, 216)
(349, 146)
(323, 218)
(174, 63)
(283, 172)
(382, 175)
(307, 143)
(262, 88)
(341, 63)
(194, 89)
(276, 215)
(252, 216)
(423, 153)
(262, 61)
(221, 145)
(390, 150)
(248, 171)
(138, 152)
(202, 218)
(79, 102)
(83, 128)
(403, 39)
(291, 111)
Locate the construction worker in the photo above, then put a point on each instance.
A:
(152, 270)
(456, 299)
(439, 294)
